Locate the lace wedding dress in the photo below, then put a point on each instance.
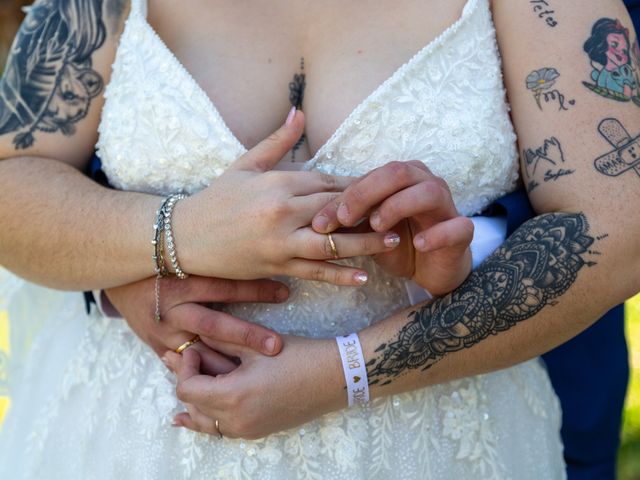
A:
(90, 401)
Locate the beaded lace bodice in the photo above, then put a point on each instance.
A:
(161, 133)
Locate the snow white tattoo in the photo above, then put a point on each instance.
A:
(49, 82)
(614, 75)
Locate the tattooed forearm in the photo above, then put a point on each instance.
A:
(536, 265)
(615, 66)
(625, 155)
(549, 157)
(49, 81)
(543, 9)
(540, 83)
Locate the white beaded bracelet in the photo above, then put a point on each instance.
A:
(355, 370)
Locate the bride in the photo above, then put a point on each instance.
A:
(178, 107)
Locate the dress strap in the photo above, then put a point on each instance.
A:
(139, 7)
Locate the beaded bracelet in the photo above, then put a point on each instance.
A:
(162, 230)
(173, 255)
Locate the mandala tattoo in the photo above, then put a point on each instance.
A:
(536, 265)
(49, 81)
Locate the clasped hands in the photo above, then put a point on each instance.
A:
(242, 379)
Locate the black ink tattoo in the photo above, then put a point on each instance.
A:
(544, 11)
(115, 10)
(549, 153)
(625, 155)
(540, 81)
(532, 185)
(49, 81)
(296, 97)
(553, 175)
(534, 267)
(613, 75)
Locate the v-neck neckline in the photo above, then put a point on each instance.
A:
(397, 74)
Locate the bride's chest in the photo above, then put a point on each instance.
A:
(174, 122)
(254, 59)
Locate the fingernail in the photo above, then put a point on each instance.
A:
(391, 240)
(291, 116)
(270, 344)
(321, 222)
(420, 243)
(375, 220)
(282, 293)
(176, 423)
(361, 278)
(165, 360)
(343, 212)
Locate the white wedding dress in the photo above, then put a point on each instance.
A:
(91, 401)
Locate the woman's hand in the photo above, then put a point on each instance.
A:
(264, 395)
(253, 222)
(407, 198)
(184, 316)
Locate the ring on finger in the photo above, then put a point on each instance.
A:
(188, 344)
(217, 424)
(332, 245)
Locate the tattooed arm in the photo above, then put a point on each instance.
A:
(60, 229)
(50, 102)
(563, 269)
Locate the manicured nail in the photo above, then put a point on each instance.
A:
(361, 278)
(343, 212)
(321, 222)
(282, 293)
(375, 220)
(270, 344)
(176, 423)
(291, 116)
(391, 240)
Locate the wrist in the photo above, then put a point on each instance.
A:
(330, 374)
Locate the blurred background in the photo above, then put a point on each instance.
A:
(629, 458)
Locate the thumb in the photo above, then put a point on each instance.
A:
(269, 152)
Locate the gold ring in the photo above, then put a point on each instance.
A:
(186, 345)
(332, 244)
(217, 424)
